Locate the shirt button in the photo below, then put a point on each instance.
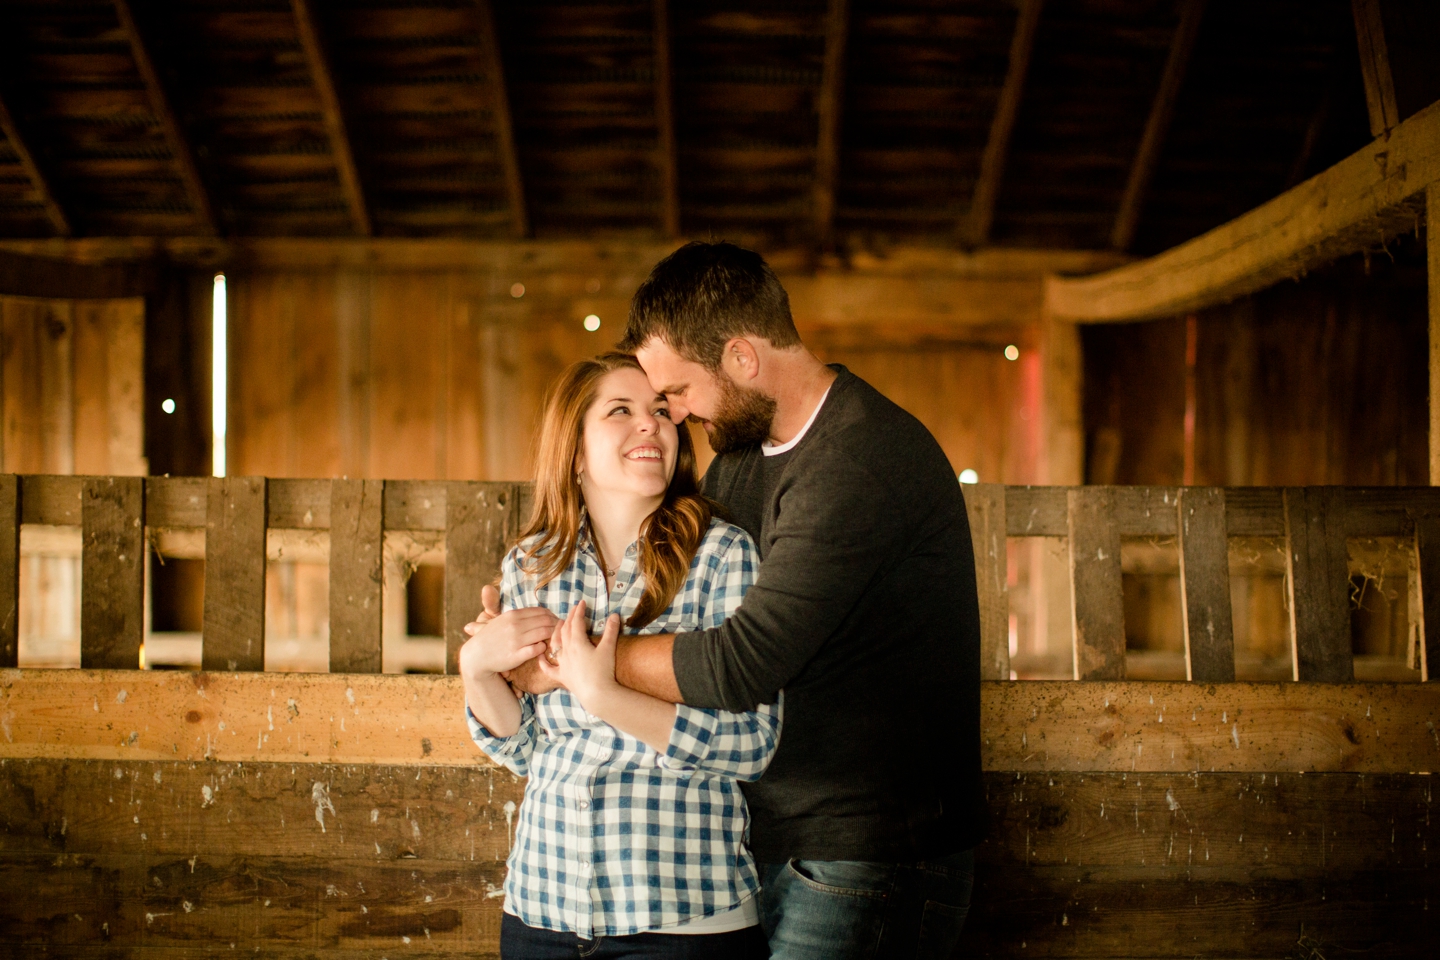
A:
(584, 804)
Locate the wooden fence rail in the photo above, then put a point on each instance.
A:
(121, 517)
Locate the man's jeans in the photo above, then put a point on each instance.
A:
(852, 910)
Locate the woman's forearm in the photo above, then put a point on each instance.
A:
(493, 703)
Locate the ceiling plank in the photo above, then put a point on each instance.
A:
(975, 228)
(1370, 196)
(1375, 66)
(38, 183)
(504, 128)
(829, 104)
(324, 80)
(666, 160)
(174, 136)
(1157, 126)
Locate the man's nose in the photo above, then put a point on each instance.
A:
(678, 410)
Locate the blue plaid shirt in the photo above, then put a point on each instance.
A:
(614, 838)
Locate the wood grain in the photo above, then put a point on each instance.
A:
(1095, 584)
(9, 570)
(357, 542)
(985, 503)
(1205, 586)
(235, 575)
(1318, 581)
(1427, 564)
(112, 569)
(477, 519)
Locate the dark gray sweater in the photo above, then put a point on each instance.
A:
(865, 613)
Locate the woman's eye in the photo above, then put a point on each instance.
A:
(619, 410)
(663, 412)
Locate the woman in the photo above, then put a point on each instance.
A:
(630, 838)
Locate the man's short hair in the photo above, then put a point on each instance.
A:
(705, 294)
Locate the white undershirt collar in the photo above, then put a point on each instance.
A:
(772, 450)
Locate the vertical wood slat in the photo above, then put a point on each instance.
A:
(477, 521)
(9, 570)
(1427, 563)
(357, 540)
(985, 503)
(1097, 610)
(112, 573)
(1318, 583)
(1205, 586)
(235, 522)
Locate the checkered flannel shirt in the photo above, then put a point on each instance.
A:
(614, 838)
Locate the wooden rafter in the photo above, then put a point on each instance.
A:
(1157, 126)
(174, 136)
(666, 160)
(975, 228)
(38, 183)
(828, 104)
(504, 128)
(1375, 66)
(324, 80)
(1359, 203)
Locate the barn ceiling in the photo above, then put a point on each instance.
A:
(965, 122)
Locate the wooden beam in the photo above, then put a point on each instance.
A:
(666, 160)
(38, 183)
(1359, 203)
(504, 128)
(975, 229)
(26, 276)
(175, 137)
(828, 104)
(357, 543)
(324, 80)
(1375, 66)
(1157, 126)
(1432, 253)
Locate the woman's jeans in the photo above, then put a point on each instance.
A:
(519, 942)
(853, 910)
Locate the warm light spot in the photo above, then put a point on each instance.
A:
(592, 323)
(1012, 352)
(218, 375)
(517, 290)
(969, 476)
(167, 405)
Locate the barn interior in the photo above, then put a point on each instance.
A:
(1132, 262)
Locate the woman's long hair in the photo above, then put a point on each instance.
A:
(669, 537)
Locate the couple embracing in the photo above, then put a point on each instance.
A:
(773, 747)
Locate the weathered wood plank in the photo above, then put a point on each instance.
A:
(1361, 201)
(298, 504)
(176, 502)
(1095, 585)
(829, 103)
(1205, 586)
(1031, 726)
(666, 157)
(357, 543)
(9, 570)
(985, 503)
(1432, 258)
(112, 569)
(477, 518)
(1318, 582)
(234, 636)
(1375, 66)
(51, 500)
(1427, 564)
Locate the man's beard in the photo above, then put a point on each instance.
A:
(742, 418)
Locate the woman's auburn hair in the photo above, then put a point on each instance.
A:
(669, 537)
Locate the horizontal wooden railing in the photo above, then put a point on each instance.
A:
(121, 517)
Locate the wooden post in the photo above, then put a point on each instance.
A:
(477, 520)
(1095, 584)
(357, 541)
(1319, 584)
(9, 570)
(1205, 586)
(1427, 565)
(1432, 250)
(828, 105)
(235, 522)
(1375, 66)
(112, 573)
(985, 503)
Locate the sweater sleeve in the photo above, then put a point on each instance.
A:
(833, 531)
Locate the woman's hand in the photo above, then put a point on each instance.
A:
(586, 671)
(506, 641)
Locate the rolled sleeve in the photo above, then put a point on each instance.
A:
(512, 752)
(738, 745)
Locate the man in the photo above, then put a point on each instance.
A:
(864, 612)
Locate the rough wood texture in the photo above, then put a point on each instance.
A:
(477, 520)
(1375, 66)
(975, 230)
(828, 105)
(986, 505)
(1205, 586)
(357, 544)
(235, 575)
(323, 77)
(38, 181)
(1099, 614)
(504, 128)
(112, 562)
(1365, 198)
(1432, 256)
(9, 570)
(666, 160)
(1427, 564)
(1318, 581)
(1157, 125)
(1033, 726)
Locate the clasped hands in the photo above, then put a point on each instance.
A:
(536, 651)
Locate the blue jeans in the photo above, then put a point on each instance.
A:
(853, 910)
(521, 942)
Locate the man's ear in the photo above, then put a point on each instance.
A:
(741, 359)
